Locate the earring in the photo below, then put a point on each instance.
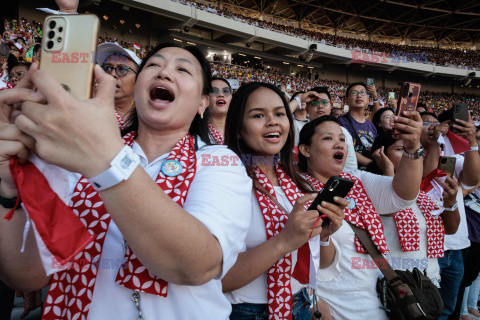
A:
(201, 115)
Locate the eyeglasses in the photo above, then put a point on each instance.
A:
(428, 123)
(323, 102)
(216, 91)
(358, 93)
(17, 75)
(388, 117)
(120, 70)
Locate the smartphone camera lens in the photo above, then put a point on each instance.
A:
(60, 29)
(50, 44)
(51, 34)
(52, 24)
(59, 39)
(444, 160)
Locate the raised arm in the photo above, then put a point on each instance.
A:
(471, 165)
(408, 177)
(156, 228)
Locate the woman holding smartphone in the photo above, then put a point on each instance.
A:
(267, 281)
(216, 114)
(416, 234)
(322, 155)
(163, 234)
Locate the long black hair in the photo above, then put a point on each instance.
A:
(196, 127)
(306, 135)
(235, 142)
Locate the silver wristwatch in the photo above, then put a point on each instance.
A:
(416, 155)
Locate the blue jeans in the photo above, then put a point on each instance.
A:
(451, 272)
(253, 311)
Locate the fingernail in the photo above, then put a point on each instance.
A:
(324, 203)
(36, 95)
(335, 198)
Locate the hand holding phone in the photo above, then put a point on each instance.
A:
(335, 187)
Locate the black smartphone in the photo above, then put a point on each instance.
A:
(335, 187)
(460, 112)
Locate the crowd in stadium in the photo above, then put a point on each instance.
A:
(458, 58)
(185, 189)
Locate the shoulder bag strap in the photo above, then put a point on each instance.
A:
(377, 257)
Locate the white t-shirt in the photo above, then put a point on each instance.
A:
(217, 197)
(459, 240)
(352, 294)
(256, 291)
(400, 260)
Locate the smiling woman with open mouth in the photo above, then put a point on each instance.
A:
(156, 229)
(269, 280)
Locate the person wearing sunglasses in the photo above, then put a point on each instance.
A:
(216, 114)
(123, 65)
(323, 107)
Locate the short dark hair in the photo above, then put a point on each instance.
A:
(426, 113)
(322, 90)
(384, 140)
(296, 94)
(234, 123)
(377, 116)
(196, 127)
(358, 83)
(306, 135)
(222, 79)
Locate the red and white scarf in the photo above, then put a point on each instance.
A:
(279, 275)
(71, 290)
(362, 214)
(409, 232)
(121, 122)
(215, 134)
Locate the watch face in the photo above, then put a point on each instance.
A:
(419, 152)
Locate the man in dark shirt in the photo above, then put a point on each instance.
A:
(362, 130)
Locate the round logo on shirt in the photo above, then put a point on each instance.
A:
(171, 168)
(351, 203)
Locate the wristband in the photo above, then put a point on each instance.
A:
(475, 148)
(122, 167)
(325, 243)
(453, 208)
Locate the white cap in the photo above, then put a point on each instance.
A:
(104, 50)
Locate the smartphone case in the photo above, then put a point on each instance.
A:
(72, 58)
(460, 111)
(447, 164)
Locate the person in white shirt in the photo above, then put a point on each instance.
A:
(161, 235)
(467, 171)
(348, 288)
(427, 223)
(269, 279)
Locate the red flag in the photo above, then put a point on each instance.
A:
(59, 230)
